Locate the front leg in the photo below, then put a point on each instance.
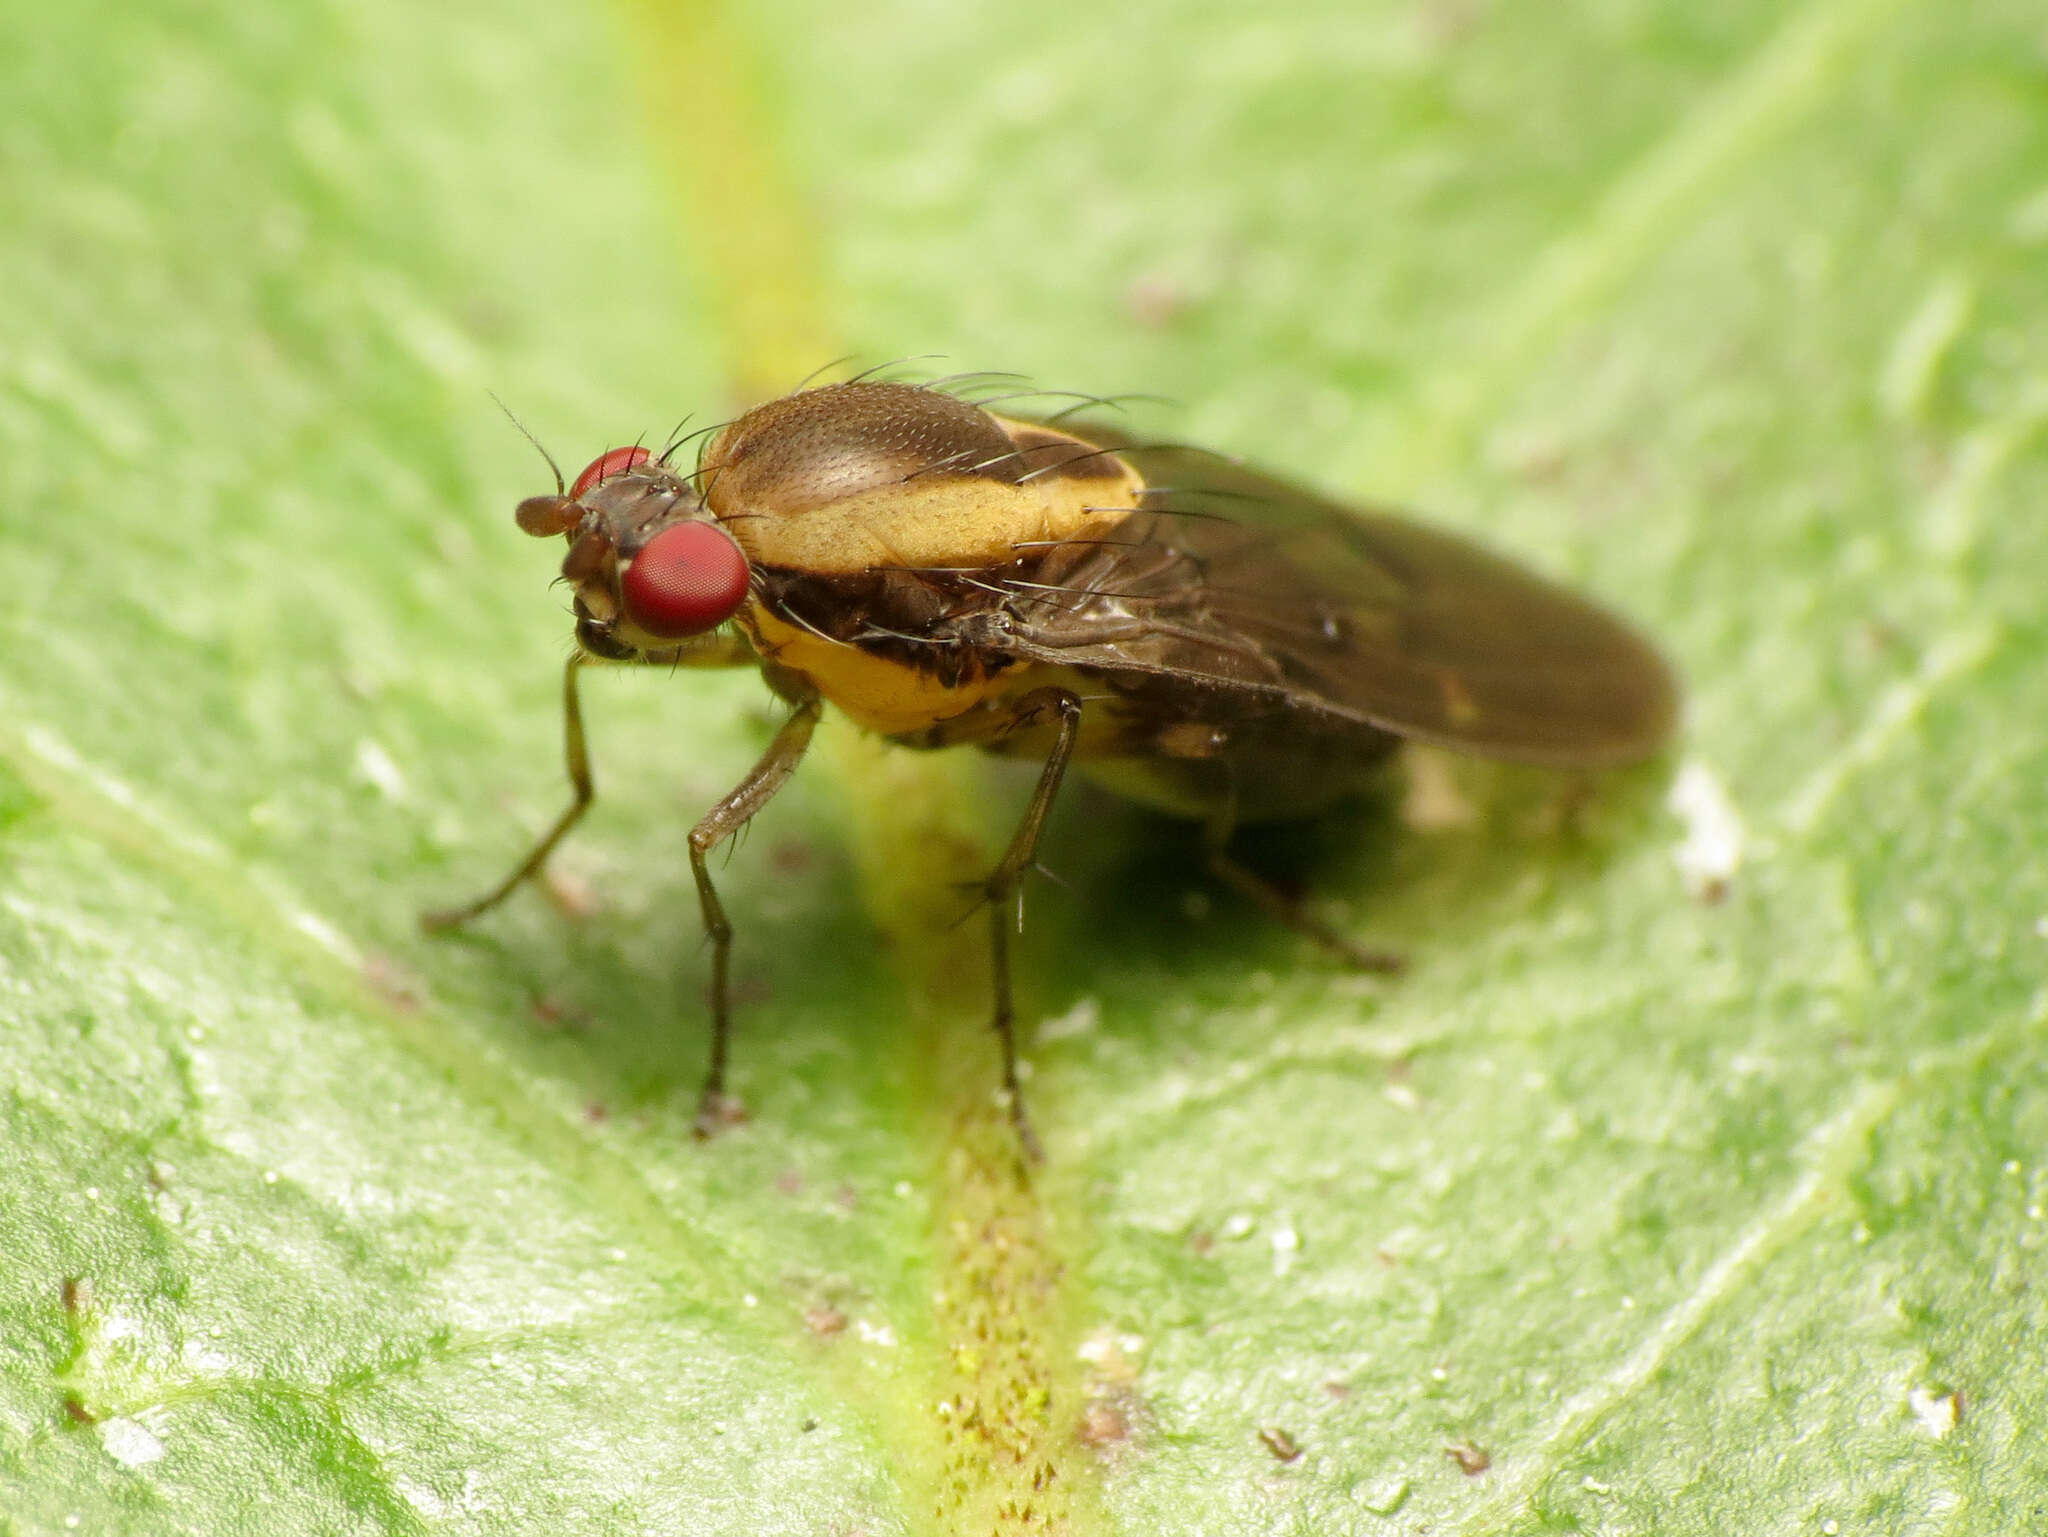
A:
(724, 648)
(577, 757)
(714, 1109)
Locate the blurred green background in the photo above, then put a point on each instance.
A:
(1691, 1182)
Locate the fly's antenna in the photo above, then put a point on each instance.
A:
(561, 485)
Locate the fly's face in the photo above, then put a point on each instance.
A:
(649, 565)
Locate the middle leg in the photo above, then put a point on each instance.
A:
(739, 806)
(1000, 889)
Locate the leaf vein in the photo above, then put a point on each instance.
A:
(1783, 79)
(1832, 1147)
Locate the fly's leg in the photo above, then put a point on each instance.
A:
(578, 757)
(1293, 913)
(732, 813)
(722, 648)
(1001, 889)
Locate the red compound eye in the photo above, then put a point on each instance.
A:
(612, 462)
(687, 579)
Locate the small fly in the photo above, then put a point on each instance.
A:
(1210, 641)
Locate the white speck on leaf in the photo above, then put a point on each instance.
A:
(1112, 1353)
(1936, 1413)
(1286, 1245)
(1384, 1497)
(421, 1498)
(378, 767)
(130, 1444)
(1711, 851)
(1082, 1018)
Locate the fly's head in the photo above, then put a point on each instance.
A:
(650, 566)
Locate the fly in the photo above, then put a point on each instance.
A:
(1205, 639)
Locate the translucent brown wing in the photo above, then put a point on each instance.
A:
(1238, 582)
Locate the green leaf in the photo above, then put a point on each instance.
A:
(1693, 1180)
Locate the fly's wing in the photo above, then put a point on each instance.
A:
(1250, 585)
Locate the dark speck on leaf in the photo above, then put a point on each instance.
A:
(1281, 1445)
(1471, 1460)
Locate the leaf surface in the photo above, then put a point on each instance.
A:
(1691, 1181)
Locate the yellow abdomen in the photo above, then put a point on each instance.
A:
(886, 696)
